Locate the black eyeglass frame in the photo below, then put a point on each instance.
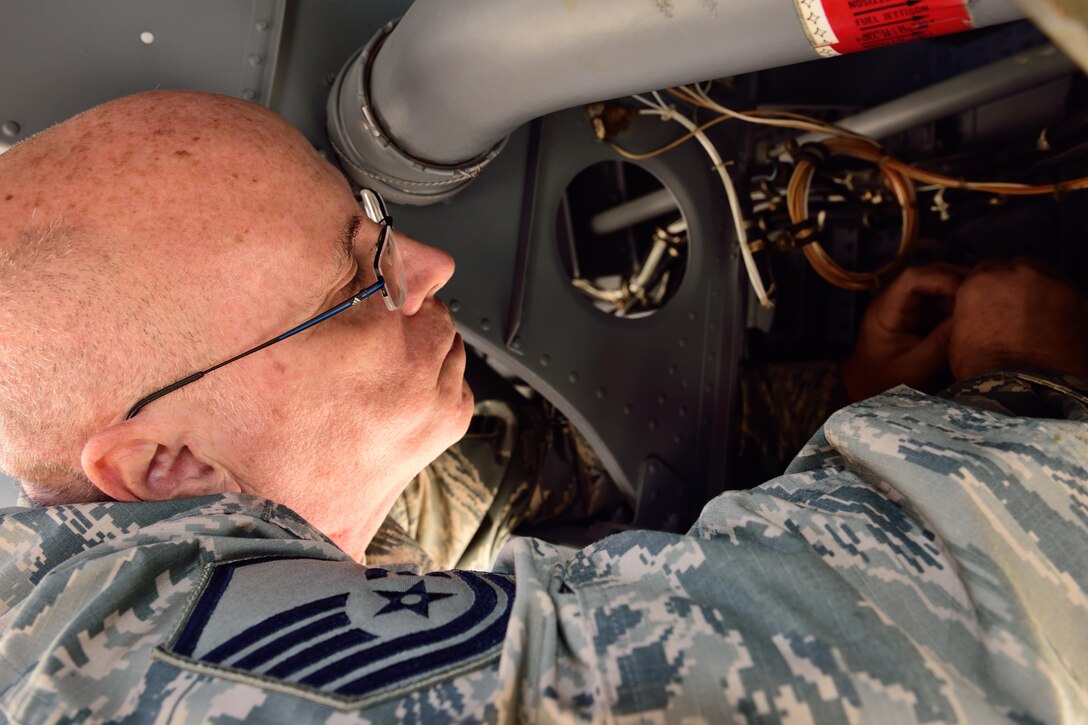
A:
(386, 223)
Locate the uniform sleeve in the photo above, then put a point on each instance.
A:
(1030, 393)
(919, 561)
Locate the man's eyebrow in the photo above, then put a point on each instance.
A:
(346, 242)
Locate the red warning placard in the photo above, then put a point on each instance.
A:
(847, 26)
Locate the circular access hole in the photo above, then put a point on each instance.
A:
(622, 239)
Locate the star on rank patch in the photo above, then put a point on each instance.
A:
(415, 599)
(331, 632)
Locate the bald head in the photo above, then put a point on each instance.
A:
(160, 234)
(120, 230)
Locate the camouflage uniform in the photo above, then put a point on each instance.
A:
(520, 464)
(921, 560)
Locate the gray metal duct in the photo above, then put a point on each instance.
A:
(1006, 77)
(427, 104)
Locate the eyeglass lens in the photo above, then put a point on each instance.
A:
(389, 263)
(391, 267)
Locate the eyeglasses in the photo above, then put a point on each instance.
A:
(388, 269)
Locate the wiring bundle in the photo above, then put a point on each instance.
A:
(898, 177)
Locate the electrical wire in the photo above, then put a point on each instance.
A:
(781, 119)
(863, 146)
(899, 176)
(740, 223)
(800, 185)
(642, 156)
(797, 195)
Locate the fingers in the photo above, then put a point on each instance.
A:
(920, 282)
(1000, 313)
(930, 355)
(897, 308)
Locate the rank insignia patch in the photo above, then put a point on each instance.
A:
(325, 631)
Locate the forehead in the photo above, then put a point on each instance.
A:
(224, 189)
(216, 236)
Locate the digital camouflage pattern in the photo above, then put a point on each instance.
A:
(920, 561)
(523, 464)
(520, 464)
(1027, 393)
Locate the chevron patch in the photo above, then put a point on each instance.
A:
(319, 629)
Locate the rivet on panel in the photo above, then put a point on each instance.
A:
(249, 94)
(661, 399)
(455, 305)
(10, 129)
(545, 360)
(627, 408)
(574, 376)
(485, 324)
(147, 38)
(602, 393)
(672, 370)
(255, 60)
(263, 25)
(652, 425)
(516, 343)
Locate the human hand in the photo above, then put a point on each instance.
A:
(1017, 314)
(905, 333)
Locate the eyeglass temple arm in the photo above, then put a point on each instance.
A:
(351, 302)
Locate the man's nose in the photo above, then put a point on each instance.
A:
(426, 270)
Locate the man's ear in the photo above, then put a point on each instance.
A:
(133, 460)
